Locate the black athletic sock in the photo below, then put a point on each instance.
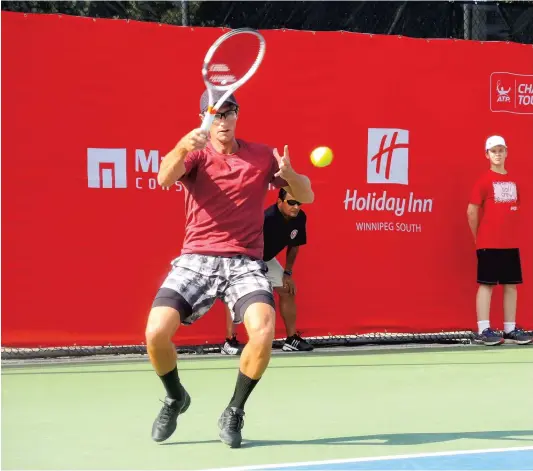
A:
(243, 389)
(172, 384)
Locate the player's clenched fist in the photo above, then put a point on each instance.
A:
(195, 140)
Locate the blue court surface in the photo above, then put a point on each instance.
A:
(500, 459)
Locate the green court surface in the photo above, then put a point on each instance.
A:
(322, 406)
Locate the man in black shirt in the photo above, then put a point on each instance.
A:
(284, 226)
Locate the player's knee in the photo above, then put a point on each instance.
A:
(161, 326)
(154, 335)
(260, 318)
(510, 288)
(261, 328)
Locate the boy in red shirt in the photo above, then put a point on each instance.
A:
(495, 234)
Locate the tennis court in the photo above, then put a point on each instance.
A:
(387, 108)
(457, 407)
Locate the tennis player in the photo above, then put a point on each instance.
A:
(226, 180)
(496, 236)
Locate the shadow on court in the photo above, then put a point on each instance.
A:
(393, 439)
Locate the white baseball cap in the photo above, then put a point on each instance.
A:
(494, 141)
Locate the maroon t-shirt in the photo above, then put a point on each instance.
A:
(225, 198)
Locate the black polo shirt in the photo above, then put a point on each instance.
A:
(279, 232)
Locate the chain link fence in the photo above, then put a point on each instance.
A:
(484, 21)
(381, 339)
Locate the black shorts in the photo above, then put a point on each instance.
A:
(499, 266)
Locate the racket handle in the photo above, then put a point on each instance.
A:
(207, 122)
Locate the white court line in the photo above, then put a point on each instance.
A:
(373, 458)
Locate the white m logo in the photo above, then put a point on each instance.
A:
(106, 168)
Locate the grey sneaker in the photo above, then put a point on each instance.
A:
(491, 337)
(518, 336)
(230, 423)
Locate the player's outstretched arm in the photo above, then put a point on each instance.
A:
(173, 164)
(299, 185)
(300, 188)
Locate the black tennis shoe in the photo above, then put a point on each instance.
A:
(230, 423)
(167, 419)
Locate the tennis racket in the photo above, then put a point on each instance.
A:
(229, 63)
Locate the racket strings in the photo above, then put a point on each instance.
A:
(234, 58)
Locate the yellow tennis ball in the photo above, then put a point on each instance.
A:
(321, 156)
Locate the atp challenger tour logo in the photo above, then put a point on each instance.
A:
(387, 165)
(108, 168)
(511, 93)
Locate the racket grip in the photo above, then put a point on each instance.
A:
(207, 122)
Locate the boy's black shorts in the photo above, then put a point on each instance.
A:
(499, 266)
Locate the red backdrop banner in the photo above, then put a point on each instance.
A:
(89, 107)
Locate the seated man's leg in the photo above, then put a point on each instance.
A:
(231, 344)
(229, 322)
(287, 308)
(184, 297)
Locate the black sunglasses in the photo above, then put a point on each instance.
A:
(231, 113)
(293, 202)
